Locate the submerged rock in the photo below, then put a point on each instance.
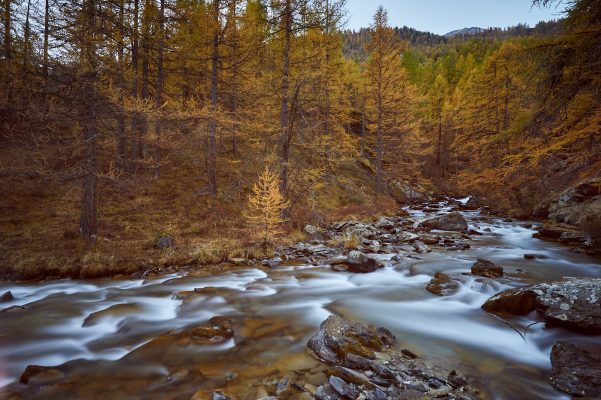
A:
(575, 370)
(37, 374)
(6, 297)
(574, 304)
(442, 285)
(487, 269)
(453, 221)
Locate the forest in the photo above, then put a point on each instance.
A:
(208, 148)
(124, 121)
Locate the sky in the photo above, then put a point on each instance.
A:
(442, 16)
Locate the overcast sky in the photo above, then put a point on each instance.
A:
(442, 16)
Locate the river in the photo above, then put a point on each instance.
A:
(111, 323)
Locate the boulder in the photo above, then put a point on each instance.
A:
(573, 304)
(357, 262)
(487, 269)
(442, 285)
(519, 301)
(575, 370)
(337, 338)
(165, 242)
(453, 221)
(363, 365)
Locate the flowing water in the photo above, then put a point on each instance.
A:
(111, 322)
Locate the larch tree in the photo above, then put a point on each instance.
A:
(389, 92)
(265, 208)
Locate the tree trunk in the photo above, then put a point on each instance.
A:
(143, 129)
(46, 37)
(159, 87)
(506, 114)
(439, 143)
(135, 122)
(379, 111)
(89, 215)
(285, 112)
(121, 138)
(212, 150)
(326, 82)
(7, 28)
(25, 66)
(235, 73)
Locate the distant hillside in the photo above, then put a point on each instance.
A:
(355, 41)
(464, 31)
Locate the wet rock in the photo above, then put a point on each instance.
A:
(37, 374)
(429, 239)
(535, 257)
(573, 304)
(345, 390)
(272, 262)
(404, 237)
(337, 338)
(112, 311)
(442, 285)
(486, 268)
(365, 366)
(221, 330)
(456, 379)
(326, 392)
(560, 233)
(520, 301)
(357, 262)
(6, 297)
(421, 248)
(384, 223)
(219, 396)
(575, 370)
(453, 221)
(165, 242)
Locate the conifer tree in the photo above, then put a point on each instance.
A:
(265, 207)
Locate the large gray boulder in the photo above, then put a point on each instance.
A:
(453, 221)
(573, 304)
(575, 370)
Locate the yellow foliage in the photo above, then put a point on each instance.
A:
(266, 206)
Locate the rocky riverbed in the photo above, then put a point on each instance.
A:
(381, 310)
